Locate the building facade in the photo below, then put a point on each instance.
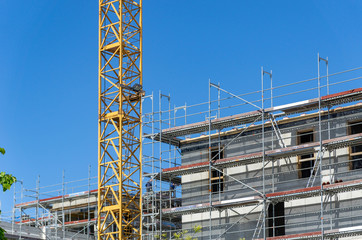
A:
(296, 175)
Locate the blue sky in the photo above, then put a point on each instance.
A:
(48, 65)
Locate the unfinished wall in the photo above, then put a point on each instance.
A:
(280, 175)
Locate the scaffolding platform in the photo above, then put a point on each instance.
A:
(170, 135)
(328, 234)
(203, 207)
(51, 200)
(79, 223)
(276, 197)
(163, 177)
(326, 101)
(315, 191)
(258, 156)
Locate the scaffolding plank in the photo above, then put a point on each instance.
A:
(343, 186)
(294, 194)
(168, 135)
(307, 235)
(277, 196)
(78, 223)
(34, 220)
(315, 191)
(163, 177)
(257, 157)
(328, 100)
(204, 166)
(335, 233)
(55, 199)
(75, 223)
(203, 207)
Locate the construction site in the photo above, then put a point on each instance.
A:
(280, 163)
(286, 171)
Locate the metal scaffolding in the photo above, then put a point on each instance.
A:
(240, 206)
(60, 211)
(205, 126)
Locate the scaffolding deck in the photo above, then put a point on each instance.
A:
(80, 223)
(328, 234)
(315, 191)
(170, 135)
(276, 197)
(56, 199)
(204, 207)
(258, 156)
(70, 223)
(162, 177)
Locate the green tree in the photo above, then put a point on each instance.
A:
(182, 235)
(6, 180)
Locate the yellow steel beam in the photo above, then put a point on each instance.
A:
(120, 127)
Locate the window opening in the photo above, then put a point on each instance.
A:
(215, 153)
(355, 151)
(217, 181)
(276, 226)
(306, 161)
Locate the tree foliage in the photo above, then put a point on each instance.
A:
(182, 235)
(6, 180)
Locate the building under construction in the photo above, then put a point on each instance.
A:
(60, 211)
(283, 162)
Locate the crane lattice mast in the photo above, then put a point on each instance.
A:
(120, 127)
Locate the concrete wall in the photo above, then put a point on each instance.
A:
(280, 175)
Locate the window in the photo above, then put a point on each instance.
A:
(306, 161)
(306, 164)
(355, 152)
(217, 181)
(355, 128)
(215, 155)
(276, 220)
(217, 177)
(306, 136)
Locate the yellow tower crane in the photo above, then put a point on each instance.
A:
(120, 124)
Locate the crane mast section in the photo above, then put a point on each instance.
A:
(119, 120)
